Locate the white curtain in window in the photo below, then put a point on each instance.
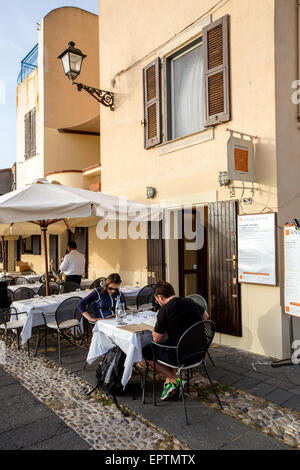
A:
(187, 93)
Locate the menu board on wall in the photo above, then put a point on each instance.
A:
(292, 270)
(257, 249)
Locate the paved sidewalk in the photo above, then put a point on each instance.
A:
(27, 424)
(209, 429)
(255, 374)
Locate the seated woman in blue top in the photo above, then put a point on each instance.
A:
(103, 300)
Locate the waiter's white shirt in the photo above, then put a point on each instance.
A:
(73, 264)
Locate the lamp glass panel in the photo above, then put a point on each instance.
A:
(75, 62)
(66, 63)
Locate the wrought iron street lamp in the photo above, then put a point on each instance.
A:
(72, 60)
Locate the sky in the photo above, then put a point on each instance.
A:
(18, 35)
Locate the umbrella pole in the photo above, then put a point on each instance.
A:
(44, 231)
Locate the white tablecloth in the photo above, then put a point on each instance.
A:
(31, 310)
(34, 287)
(31, 277)
(106, 335)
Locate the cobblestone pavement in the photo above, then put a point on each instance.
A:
(95, 419)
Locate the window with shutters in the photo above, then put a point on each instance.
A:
(185, 105)
(196, 86)
(217, 72)
(30, 134)
(152, 104)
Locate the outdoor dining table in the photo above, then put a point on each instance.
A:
(85, 284)
(107, 334)
(31, 310)
(32, 278)
(35, 287)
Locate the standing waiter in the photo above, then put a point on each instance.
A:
(73, 264)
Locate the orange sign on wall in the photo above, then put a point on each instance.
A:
(241, 160)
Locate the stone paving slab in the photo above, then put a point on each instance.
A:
(262, 389)
(27, 424)
(293, 403)
(46, 433)
(254, 438)
(280, 396)
(208, 429)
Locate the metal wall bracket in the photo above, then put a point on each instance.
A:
(104, 97)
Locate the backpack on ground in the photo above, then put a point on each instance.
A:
(109, 373)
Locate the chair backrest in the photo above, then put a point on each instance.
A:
(145, 296)
(100, 282)
(7, 279)
(194, 343)
(28, 273)
(53, 289)
(70, 287)
(19, 281)
(67, 310)
(23, 293)
(199, 300)
(43, 278)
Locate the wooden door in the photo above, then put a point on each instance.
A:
(223, 268)
(193, 263)
(156, 265)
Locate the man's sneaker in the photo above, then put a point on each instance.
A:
(170, 389)
(178, 386)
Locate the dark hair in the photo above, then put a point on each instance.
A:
(164, 288)
(112, 279)
(73, 245)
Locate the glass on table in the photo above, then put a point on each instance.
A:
(129, 315)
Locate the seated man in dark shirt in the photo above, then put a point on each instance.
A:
(175, 316)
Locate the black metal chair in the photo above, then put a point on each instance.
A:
(100, 282)
(51, 276)
(8, 324)
(5, 299)
(70, 287)
(7, 279)
(19, 281)
(88, 325)
(53, 288)
(145, 296)
(23, 293)
(67, 317)
(202, 302)
(190, 354)
(199, 300)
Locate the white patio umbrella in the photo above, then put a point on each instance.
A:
(45, 206)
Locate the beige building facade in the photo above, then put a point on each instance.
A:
(162, 42)
(58, 128)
